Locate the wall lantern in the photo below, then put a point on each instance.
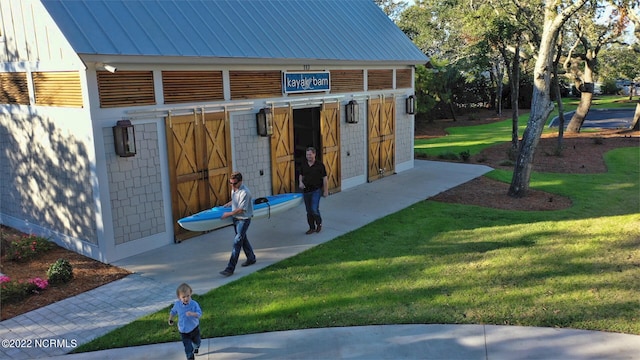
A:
(411, 104)
(264, 119)
(352, 110)
(124, 136)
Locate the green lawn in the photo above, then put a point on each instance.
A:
(476, 138)
(447, 263)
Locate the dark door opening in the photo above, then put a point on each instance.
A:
(306, 133)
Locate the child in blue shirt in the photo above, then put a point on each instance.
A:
(189, 313)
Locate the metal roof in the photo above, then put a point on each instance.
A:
(351, 30)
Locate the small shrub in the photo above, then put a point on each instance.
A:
(27, 248)
(506, 163)
(41, 284)
(16, 291)
(465, 155)
(60, 272)
(448, 156)
(419, 155)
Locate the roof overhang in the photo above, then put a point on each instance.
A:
(189, 60)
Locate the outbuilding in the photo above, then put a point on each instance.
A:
(119, 117)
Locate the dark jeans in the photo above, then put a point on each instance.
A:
(190, 341)
(312, 204)
(240, 242)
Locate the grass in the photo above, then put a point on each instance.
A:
(449, 263)
(476, 138)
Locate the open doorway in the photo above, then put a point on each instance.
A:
(306, 133)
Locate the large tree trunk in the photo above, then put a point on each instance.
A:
(635, 125)
(585, 98)
(556, 83)
(575, 124)
(541, 105)
(585, 103)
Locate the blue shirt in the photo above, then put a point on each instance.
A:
(186, 324)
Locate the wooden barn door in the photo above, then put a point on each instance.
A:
(330, 130)
(381, 137)
(199, 150)
(282, 152)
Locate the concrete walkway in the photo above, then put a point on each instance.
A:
(450, 342)
(55, 329)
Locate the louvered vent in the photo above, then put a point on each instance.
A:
(190, 86)
(343, 81)
(58, 88)
(14, 88)
(380, 79)
(126, 88)
(404, 78)
(255, 84)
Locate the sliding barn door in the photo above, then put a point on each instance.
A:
(199, 151)
(381, 119)
(282, 152)
(330, 130)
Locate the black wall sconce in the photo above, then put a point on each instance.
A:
(264, 120)
(124, 136)
(352, 110)
(411, 104)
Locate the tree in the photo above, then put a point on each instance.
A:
(442, 32)
(506, 37)
(635, 124)
(393, 9)
(619, 62)
(555, 16)
(593, 29)
(556, 83)
(446, 79)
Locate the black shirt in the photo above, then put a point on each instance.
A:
(312, 175)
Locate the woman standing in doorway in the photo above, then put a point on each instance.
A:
(313, 182)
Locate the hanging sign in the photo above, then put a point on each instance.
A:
(299, 82)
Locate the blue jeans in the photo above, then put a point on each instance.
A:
(240, 242)
(189, 340)
(312, 204)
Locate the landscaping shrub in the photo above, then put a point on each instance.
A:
(448, 156)
(60, 272)
(16, 291)
(27, 248)
(465, 155)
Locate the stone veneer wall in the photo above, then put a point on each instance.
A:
(252, 154)
(404, 133)
(353, 146)
(135, 186)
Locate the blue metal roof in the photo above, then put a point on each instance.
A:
(352, 30)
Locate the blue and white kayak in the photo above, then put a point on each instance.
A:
(262, 208)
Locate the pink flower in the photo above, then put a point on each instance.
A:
(40, 283)
(4, 279)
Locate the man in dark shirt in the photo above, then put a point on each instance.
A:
(313, 182)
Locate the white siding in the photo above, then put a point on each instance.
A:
(31, 40)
